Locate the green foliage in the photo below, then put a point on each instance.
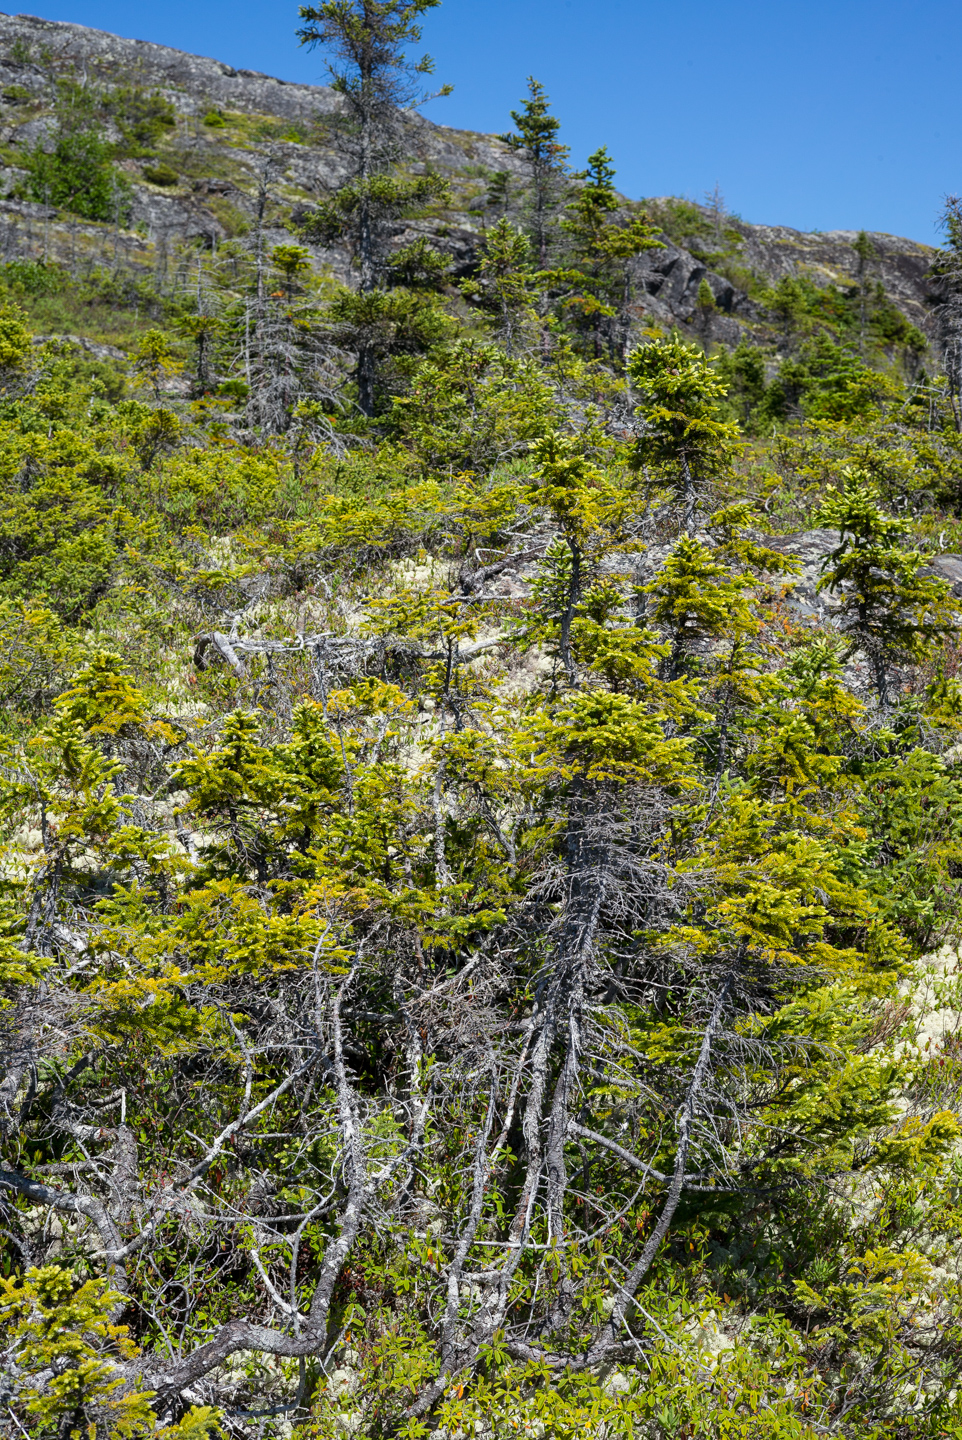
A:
(75, 173)
(293, 262)
(388, 196)
(743, 372)
(161, 175)
(910, 856)
(15, 347)
(463, 930)
(34, 277)
(155, 359)
(65, 1344)
(505, 282)
(826, 382)
(418, 266)
(860, 313)
(685, 435)
(602, 245)
(536, 138)
(64, 1332)
(144, 117)
(537, 129)
(468, 405)
(384, 324)
(888, 608)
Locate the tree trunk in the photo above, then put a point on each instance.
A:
(366, 377)
(574, 595)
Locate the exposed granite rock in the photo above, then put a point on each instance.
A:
(80, 342)
(192, 82)
(35, 132)
(828, 258)
(668, 281)
(810, 548)
(34, 52)
(948, 567)
(195, 84)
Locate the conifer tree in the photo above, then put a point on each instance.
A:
(682, 397)
(536, 138)
(604, 249)
(889, 609)
(293, 262)
(409, 1036)
(948, 279)
(698, 598)
(498, 197)
(377, 83)
(865, 253)
(580, 501)
(505, 281)
(705, 309)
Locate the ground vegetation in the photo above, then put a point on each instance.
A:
(481, 800)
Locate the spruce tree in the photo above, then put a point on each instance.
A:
(705, 310)
(377, 83)
(889, 608)
(505, 282)
(865, 253)
(698, 599)
(603, 249)
(536, 139)
(682, 404)
(947, 272)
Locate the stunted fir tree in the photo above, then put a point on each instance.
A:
(377, 83)
(865, 253)
(889, 609)
(685, 436)
(504, 286)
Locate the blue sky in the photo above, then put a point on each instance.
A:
(818, 115)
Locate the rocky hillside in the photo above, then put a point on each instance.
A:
(229, 135)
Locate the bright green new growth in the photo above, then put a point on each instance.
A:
(66, 1331)
(684, 433)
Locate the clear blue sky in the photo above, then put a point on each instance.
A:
(820, 115)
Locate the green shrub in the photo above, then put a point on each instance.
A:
(34, 277)
(77, 176)
(142, 115)
(219, 489)
(236, 389)
(161, 174)
(825, 382)
(233, 220)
